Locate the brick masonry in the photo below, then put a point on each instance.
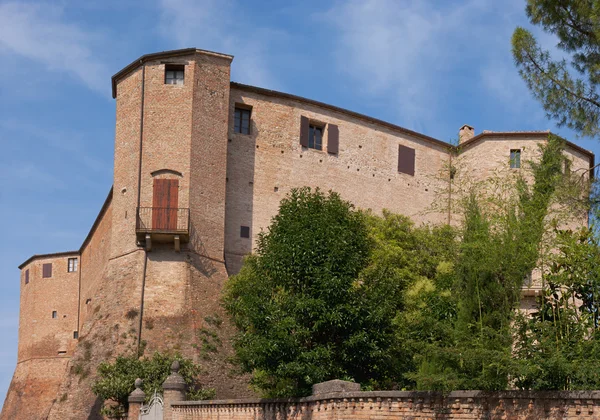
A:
(401, 405)
(124, 297)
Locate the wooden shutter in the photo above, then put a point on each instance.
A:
(47, 270)
(26, 276)
(406, 160)
(333, 139)
(304, 131)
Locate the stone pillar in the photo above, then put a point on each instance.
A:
(173, 390)
(136, 399)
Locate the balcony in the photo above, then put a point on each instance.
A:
(163, 224)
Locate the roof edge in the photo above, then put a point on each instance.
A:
(154, 56)
(274, 93)
(85, 241)
(546, 133)
(55, 254)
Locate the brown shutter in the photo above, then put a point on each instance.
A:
(406, 160)
(47, 270)
(333, 138)
(26, 276)
(304, 131)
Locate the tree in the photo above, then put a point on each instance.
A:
(558, 347)
(304, 313)
(568, 90)
(501, 244)
(116, 380)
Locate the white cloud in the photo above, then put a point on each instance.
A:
(39, 32)
(421, 51)
(210, 25)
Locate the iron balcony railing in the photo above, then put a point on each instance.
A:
(163, 220)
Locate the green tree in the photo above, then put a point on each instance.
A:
(558, 347)
(501, 244)
(304, 313)
(116, 380)
(567, 89)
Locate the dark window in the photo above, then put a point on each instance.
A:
(245, 232)
(515, 158)
(54, 315)
(47, 270)
(315, 137)
(26, 276)
(567, 167)
(406, 160)
(242, 121)
(75, 334)
(174, 74)
(72, 265)
(62, 352)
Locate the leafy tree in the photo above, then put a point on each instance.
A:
(568, 90)
(500, 246)
(558, 347)
(304, 313)
(116, 380)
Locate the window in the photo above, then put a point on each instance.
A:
(54, 315)
(406, 160)
(515, 158)
(567, 170)
(27, 276)
(245, 232)
(47, 270)
(242, 120)
(75, 335)
(315, 137)
(72, 265)
(174, 74)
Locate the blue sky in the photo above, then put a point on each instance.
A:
(427, 65)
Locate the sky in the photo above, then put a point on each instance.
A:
(427, 65)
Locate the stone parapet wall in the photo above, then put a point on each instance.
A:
(401, 405)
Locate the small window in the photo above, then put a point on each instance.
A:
(515, 158)
(27, 276)
(72, 265)
(174, 74)
(245, 232)
(47, 270)
(315, 137)
(406, 160)
(242, 121)
(75, 335)
(54, 315)
(88, 301)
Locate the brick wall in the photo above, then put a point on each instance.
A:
(401, 405)
(94, 259)
(263, 166)
(41, 335)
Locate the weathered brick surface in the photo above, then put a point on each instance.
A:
(34, 388)
(401, 405)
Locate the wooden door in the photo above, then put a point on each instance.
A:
(164, 204)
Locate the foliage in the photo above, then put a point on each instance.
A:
(568, 90)
(558, 346)
(304, 311)
(335, 293)
(500, 246)
(116, 380)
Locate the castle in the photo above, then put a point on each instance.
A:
(200, 166)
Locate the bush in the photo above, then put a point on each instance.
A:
(116, 380)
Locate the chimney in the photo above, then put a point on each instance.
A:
(465, 133)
